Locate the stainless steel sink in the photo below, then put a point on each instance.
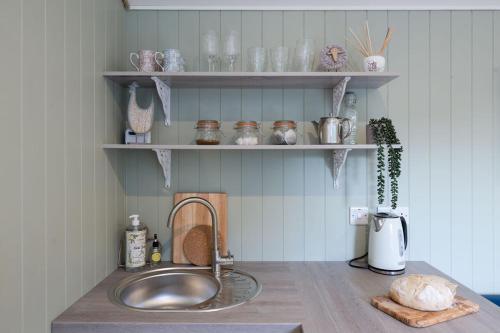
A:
(184, 289)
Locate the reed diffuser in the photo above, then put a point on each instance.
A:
(374, 61)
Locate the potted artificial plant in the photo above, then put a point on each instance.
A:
(382, 133)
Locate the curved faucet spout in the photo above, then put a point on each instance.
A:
(217, 260)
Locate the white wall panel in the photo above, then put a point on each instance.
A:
(60, 196)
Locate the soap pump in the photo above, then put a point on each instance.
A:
(135, 238)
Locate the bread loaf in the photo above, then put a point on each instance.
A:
(423, 292)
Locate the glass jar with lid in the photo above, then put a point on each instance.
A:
(208, 132)
(284, 132)
(247, 132)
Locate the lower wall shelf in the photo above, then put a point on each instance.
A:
(164, 152)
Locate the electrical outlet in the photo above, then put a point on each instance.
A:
(358, 215)
(401, 211)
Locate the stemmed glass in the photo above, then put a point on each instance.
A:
(231, 49)
(211, 49)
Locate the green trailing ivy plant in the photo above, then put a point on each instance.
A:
(385, 134)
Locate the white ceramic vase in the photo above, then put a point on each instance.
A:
(374, 64)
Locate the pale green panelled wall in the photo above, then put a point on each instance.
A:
(61, 200)
(282, 205)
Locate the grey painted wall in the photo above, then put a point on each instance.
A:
(282, 206)
(62, 204)
(60, 197)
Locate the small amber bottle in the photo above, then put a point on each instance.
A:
(155, 251)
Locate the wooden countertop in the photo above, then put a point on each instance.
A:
(296, 297)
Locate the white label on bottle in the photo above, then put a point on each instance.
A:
(136, 248)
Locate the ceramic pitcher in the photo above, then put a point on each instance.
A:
(170, 60)
(145, 60)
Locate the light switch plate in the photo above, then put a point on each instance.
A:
(358, 216)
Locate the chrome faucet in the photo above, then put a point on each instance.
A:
(217, 260)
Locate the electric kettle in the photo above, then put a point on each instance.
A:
(387, 242)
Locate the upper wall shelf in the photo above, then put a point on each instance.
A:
(242, 147)
(359, 80)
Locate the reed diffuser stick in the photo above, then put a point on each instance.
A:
(365, 46)
(387, 39)
(369, 39)
(361, 45)
(356, 46)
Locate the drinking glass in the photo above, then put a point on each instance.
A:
(231, 49)
(304, 55)
(256, 59)
(211, 49)
(279, 59)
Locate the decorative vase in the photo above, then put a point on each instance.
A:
(140, 120)
(370, 137)
(374, 63)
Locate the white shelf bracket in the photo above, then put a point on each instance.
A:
(338, 93)
(165, 159)
(164, 92)
(339, 158)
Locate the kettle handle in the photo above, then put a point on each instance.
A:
(405, 231)
(349, 131)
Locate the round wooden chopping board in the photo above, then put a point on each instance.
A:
(197, 245)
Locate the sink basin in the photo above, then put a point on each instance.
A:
(184, 289)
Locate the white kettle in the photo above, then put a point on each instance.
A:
(387, 244)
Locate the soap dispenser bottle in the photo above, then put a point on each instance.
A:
(135, 238)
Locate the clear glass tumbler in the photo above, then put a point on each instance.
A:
(256, 59)
(304, 55)
(279, 59)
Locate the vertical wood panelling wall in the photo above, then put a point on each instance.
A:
(61, 199)
(282, 206)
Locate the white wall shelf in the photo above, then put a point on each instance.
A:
(359, 80)
(238, 147)
(164, 152)
(311, 5)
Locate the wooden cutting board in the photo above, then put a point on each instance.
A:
(196, 214)
(417, 318)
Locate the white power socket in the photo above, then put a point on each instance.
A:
(401, 211)
(358, 215)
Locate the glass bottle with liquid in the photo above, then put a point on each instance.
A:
(135, 239)
(349, 111)
(155, 252)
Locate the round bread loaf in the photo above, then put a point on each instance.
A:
(423, 292)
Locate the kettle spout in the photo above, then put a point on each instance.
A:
(378, 223)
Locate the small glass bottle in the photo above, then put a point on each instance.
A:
(155, 252)
(350, 113)
(247, 133)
